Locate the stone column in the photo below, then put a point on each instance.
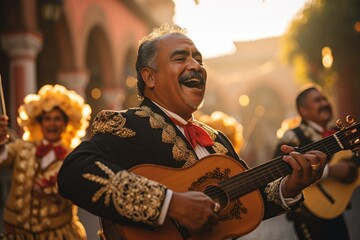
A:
(74, 80)
(22, 48)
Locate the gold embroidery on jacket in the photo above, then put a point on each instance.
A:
(168, 135)
(33, 209)
(111, 122)
(272, 191)
(310, 132)
(219, 148)
(24, 172)
(133, 196)
(292, 139)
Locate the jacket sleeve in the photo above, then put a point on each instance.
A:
(94, 177)
(13, 149)
(273, 206)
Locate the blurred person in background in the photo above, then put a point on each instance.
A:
(226, 124)
(315, 113)
(53, 121)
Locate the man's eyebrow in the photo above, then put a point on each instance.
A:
(318, 98)
(184, 52)
(179, 52)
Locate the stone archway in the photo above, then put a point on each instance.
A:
(57, 54)
(130, 95)
(100, 70)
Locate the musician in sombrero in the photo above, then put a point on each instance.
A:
(162, 131)
(53, 121)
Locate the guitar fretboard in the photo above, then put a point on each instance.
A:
(276, 168)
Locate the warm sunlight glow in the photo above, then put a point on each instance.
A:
(244, 100)
(327, 58)
(95, 93)
(327, 61)
(259, 110)
(357, 26)
(131, 82)
(214, 25)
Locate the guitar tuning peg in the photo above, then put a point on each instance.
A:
(339, 124)
(350, 119)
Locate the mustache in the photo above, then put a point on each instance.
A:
(190, 75)
(325, 109)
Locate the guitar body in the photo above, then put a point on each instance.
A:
(237, 217)
(329, 198)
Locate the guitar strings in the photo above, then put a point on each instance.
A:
(252, 175)
(284, 167)
(250, 180)
(271, 167)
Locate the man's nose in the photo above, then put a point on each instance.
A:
(194, 65)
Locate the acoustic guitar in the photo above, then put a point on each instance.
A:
(329, 198)
(227, 182)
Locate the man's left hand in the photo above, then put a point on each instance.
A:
(306, 169)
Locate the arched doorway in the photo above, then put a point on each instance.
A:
(100, 69)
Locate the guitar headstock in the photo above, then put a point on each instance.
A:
(349, 136)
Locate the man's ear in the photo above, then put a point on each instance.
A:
(148, 77)
(302, 112)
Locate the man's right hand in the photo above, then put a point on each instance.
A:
(193, 210)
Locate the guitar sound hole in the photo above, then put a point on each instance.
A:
(217, 194)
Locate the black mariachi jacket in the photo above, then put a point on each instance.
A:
(300, 136)
(92, 174)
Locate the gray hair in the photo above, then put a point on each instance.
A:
(147, 51)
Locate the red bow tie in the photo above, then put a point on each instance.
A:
(42, 150)
(328, 132)
(195, 134)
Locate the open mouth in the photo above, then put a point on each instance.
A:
(52, 131)
(193, 83)
(325, 109)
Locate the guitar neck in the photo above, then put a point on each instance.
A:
(276, 168)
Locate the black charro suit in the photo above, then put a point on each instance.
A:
(92, 175)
